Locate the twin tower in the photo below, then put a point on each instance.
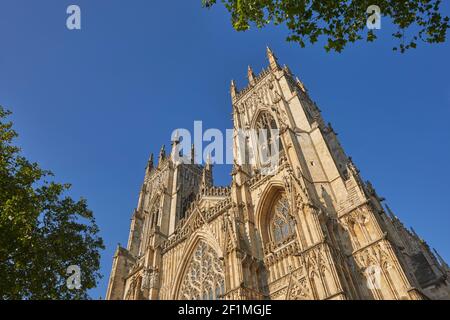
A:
(313, 229)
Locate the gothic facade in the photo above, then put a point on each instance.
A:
(313, 229)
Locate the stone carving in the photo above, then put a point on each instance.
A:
(282, 224)
(299, 289)
(204, 278)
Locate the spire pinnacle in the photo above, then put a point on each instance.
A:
(176, 137)
(207, 179)
(176, 153)
(287, 69)
(300, 84)
(391, 214)
(162, 154)
(208, 163)
(192, 154)
(175, 140)
(204, 179)
(441, 260)
(273, 62)
(250, 75)
(233, 90)
(150, 163)
(414, 233)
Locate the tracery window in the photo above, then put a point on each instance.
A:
(282, 224)
(268, 139)
(266, 121)
(204, 279)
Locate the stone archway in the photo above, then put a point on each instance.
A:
(201, 276)
(263, 215)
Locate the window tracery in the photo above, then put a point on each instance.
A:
(282, 224)
(268, 139)
(204, 279)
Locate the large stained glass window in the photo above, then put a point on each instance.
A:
(204, 278)
(282, 225)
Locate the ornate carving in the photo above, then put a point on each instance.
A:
(282, 224)
(299, 289)
(376, 255)
(204, 279)
(134, 290)
(150, 279)
(315, 259)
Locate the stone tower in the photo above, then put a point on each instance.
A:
(312, 229)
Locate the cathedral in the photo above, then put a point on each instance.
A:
(313, 229)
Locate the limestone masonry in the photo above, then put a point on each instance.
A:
(313, 230)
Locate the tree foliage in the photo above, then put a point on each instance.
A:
(341, 21)
(42, 230)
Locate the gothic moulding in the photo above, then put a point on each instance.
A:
(262, 214)
(190, 248)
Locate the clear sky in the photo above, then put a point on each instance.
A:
(91, 105)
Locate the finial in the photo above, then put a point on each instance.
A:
(176, 153)
(192, 154)
(441, 260)
(287, 69)
(176, 137)
(208, 163)
(204, 183)
(414, 233)
(300, 84)
(150, 163)
(391, 214)
(250, 75)
(162, 154)
(233, 90)
(175, 140)
(207, 177)
(273, 62)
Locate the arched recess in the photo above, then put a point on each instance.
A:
(150, 221)
(264, 213)
(265, 138)
(155, 205)
(258, 114)
(211, 267)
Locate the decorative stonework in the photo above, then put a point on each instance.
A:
(204, 279)
(310, 230)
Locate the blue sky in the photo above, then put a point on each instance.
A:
(91, 105)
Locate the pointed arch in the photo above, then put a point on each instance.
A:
(263, 210)
(200, 238)
(259, 114)
(264, 138)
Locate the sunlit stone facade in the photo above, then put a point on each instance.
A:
(312, 230)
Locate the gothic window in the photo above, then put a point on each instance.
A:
(266, 121)
(204, 279)
(149, 224)
(282, 225)
(266, 137)
(154, 212)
